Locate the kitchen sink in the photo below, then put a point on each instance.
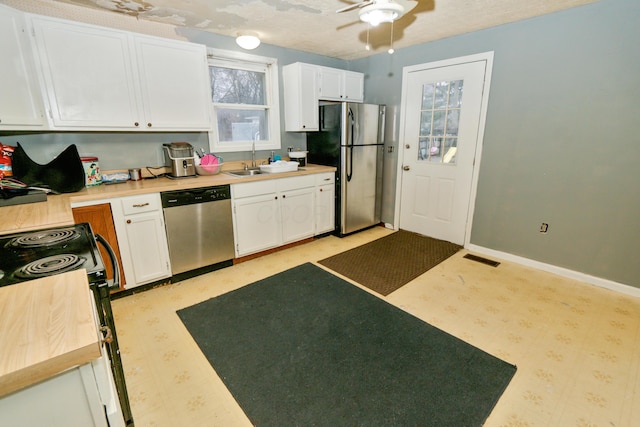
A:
(244, 172)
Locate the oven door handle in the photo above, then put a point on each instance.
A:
(113, 258)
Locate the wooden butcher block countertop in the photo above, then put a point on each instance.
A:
(56, 211)
(47, 326)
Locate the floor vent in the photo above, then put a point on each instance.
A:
(482, 260)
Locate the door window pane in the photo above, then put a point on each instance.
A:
(427, 96)
(439, 121)
(450, 149)
(453, 118)
(425, 122)
(439, 117)
(441, 95)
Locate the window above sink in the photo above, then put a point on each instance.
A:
(245, 97)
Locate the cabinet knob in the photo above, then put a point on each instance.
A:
(128, 221)
(148, 125)
(136, 124)
(321, 190)
(284, 195)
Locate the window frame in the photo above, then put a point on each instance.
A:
(239, 60)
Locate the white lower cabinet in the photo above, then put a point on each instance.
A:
(141, 235)
(255, 223)
(325, 203)
(70, 399)
(270, 213)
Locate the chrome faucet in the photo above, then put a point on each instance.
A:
(253, 149)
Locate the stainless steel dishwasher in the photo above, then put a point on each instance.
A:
(199, 230)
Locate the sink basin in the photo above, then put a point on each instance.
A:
(244, 172)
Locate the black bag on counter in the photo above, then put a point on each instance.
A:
(63, 174)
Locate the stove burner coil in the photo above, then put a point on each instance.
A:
(44, 238)
(49, 266)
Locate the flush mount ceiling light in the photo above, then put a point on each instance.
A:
(248, 41)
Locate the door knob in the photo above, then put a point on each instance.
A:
(406, 168)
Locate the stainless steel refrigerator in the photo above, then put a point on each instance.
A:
(351, 138)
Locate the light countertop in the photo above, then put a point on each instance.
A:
(56, 211)
(48, 326)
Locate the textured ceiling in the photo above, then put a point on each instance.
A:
(314, 26)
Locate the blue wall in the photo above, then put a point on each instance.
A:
(561, 140)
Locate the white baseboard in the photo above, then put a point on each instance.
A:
(575, 275)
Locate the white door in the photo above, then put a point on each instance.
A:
(443, 108)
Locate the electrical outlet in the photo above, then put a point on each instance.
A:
(544, 227)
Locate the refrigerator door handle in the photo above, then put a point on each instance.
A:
(350, 143)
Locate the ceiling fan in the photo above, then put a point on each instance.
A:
(375, 12)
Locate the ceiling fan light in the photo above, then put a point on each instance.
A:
(377, 13)
(248, 41)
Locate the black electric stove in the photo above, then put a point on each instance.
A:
(35, 254)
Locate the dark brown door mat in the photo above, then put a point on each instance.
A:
(387, 264)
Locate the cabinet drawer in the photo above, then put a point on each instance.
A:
(293, 183)
(139, 204)
(325, 178)
(253, 189)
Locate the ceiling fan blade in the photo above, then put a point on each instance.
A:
(354, 6)
(407, 5)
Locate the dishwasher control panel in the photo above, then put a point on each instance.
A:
(195, 195)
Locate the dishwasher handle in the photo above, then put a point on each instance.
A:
(195, 195)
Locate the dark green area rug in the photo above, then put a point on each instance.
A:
(306, 348)
(388, 263)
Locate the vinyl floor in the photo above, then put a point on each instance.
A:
(576, 346)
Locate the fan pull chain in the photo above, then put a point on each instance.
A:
(368, 46)
(391, 45)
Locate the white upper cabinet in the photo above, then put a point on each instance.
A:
(306, 84)
(100, 78)
(174, 79)
(300, 97)
(21, 104)
(330, 83)
(88, 75)
(353, 85)
(341, 85)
